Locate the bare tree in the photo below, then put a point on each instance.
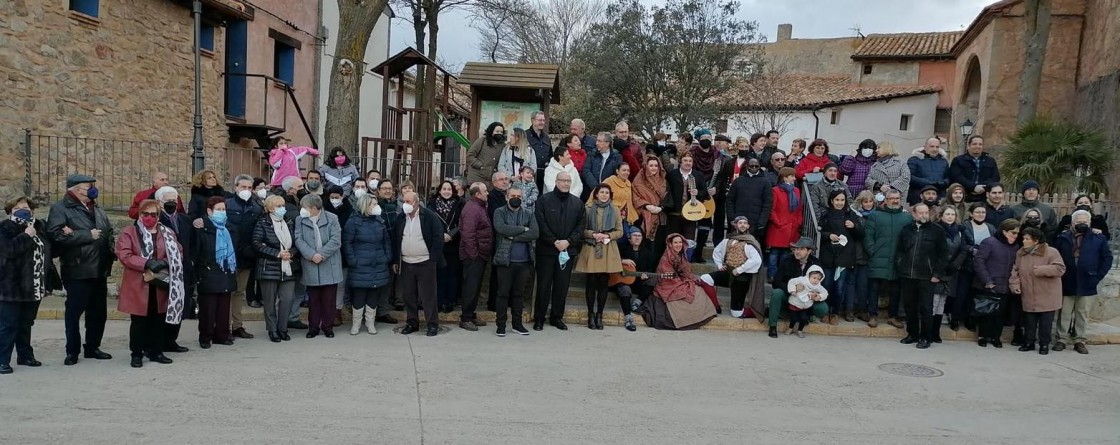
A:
(356, 20)
(761, 91)
(1037, 33)
(528, 31)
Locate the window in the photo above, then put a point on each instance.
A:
(904, 123)
(284, 62)
(867, 68)
(87, 7)
(206, 37)
(721, 126)
(835, 120)
(943, 121)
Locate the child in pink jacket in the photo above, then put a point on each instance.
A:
(285, 160)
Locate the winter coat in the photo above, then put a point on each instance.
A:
(482, 161)
(1049, 216)
(811, 162)
(579, 158)
(596, 169)
(80, 256)
(133, 299)
(880, 239)
(243, 216)
(343, 212)
(784, 226)
(959, 253)
(329, 271)
(726, 175)
(819, 193)
(678, 190)
(367, 246)
(1096, 221)
(622, 198)
(969, 244)
(512, 226)
(342, 176)
(1037, 275)
(531, 192)
(181, 224)
(505, 160)
(431, 228)
(789, 268)
(268, 251)
(17, 263)
(559, 218)
(834, 255)
(541, 145)
(285, 163)
(610, 260)
(554, 169)
(856, 168)
(476, 234)
(210, 277)
(752, 197)
(996, 216)
(923, 252)
(889, 171)
(993, 263)
(1084, 271)
(634, 155)
(199, 196)
(927, 170)
(969, 172)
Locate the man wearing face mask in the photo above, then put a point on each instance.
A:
(158, 180)
(922, 256)
(1030, 200)
(83, 236)
(560, 219)
(1088, 259)
(314, 184)
(417, 254)
(358, 190)
(495, 199)
(242, 211)
(517, 232)
(291, 189)
(180, 224)
(750, 195)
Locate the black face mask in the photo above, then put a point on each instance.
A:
(705, 144)
(515, 203)
(1085, 208)
(1081, 228)
(170, 206)
(499, 138)
(1033, 222)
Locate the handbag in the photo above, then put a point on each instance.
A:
(985, 303)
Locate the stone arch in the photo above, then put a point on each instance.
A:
(972, 83)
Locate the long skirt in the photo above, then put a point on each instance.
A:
(678, 315)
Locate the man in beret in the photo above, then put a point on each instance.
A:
(83, 238)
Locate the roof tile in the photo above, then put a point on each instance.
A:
(907, 45)
(802, 92)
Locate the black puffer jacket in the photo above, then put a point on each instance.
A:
(16, 263)
(268, 251)
(243, 216)
(923, 252)
(199, 196)
(81, 256)
(212, 279)
(832, 223)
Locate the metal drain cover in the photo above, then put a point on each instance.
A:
(423, 329)
(910, 370)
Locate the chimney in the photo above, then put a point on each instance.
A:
(785, 31)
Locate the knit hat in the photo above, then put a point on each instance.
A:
(1030, 184)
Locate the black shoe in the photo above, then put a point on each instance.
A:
(1026, 347)
(284, 335)
(599, 321)
(538, 325)
(30, 362)
(908, 340)
(983, 342)
(273, 337)
(446, 309)
(160, 358)
(1017, 338)
(501, 332)
(137, 362)
(388, 319)
(559, 324)
(519, 328)
(204, 344)
(255, 304)
(6, 369)
(467, 326)
(433, 330)
(175, 347)
(313, 332)
(70, 360)
(242, 333)
(329, 333)
(410, 328)
(97, 354)
(954, 325)
(923, 344)
(478, 323)
(1043, 350)
(226, 342)
(773, 332)
(997, 343)
(297, 325)
(591, 321)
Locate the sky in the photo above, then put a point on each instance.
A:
(458, 42)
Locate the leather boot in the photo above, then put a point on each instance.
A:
(1017, 337)
(371, 316)
(356, 321)
(935, 329)
(599, 321)
(590, 320)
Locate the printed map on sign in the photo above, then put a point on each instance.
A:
(510, 114)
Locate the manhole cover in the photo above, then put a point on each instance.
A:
(910, 370)
(423, 330)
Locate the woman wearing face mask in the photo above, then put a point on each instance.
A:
(1037, 279)
(447, 205)
(215, 262)
(319, 239)
(562, 162)
(203, 187)
(992, 265)
(1033, 218)
(27, 275)
(517, 155)
(599, 256)
(367, 247)
(146, 249)
(278, 266)
(482, 156)
(888, 172)
(1097, 223)
(856, 168)
(338, 171)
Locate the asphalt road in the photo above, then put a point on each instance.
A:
(579, 386)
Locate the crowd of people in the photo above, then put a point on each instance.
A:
(933, 235)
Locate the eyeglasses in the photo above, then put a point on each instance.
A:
(149, 213)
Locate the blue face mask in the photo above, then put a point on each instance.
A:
(24, 214)
(92, 193)
(219, 217)
(280, 212)
(564, 257)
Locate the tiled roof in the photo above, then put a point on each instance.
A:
(907, 46)
(796, 92)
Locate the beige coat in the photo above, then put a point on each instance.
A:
(1038, 277)
(610, 261)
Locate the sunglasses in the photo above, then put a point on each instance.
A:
(149, 214)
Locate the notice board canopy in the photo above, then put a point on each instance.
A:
(510, 83)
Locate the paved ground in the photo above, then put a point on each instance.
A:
(579, 386)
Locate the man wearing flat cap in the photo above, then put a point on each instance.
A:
(83, 237)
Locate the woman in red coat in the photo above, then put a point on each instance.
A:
(784, 227)
(815, 160)
(147, 249)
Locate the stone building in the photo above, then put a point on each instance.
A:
(106, 87)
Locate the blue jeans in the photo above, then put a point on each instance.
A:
(858, 289)
(773, 259)
(873, 297)
(839, 298)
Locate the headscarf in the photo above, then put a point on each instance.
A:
(224, 253)
(682, 285)
(794, 201)
(650, 190)
(623, 199)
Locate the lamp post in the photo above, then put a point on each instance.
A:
(966, 130)
(198, 154)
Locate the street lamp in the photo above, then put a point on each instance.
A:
(966, 130)
(198, 155)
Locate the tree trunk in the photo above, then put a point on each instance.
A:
(419, 25)
(355, 24)
(430, 80)
(1037, 34)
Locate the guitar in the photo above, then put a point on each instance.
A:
(628, 276)
(693, 210)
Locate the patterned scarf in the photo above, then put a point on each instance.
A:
(177, 294)
(38, 266)
(592, 223)
(444, 207)
(223, 249)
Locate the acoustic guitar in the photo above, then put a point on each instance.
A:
(628, 276)
(693, 210)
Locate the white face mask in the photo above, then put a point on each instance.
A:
(262, 193)
(376, 211)
(244, 195)
(336, 203)
(866, 152)
(359, 192)
(407, 208)
(305, 213)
